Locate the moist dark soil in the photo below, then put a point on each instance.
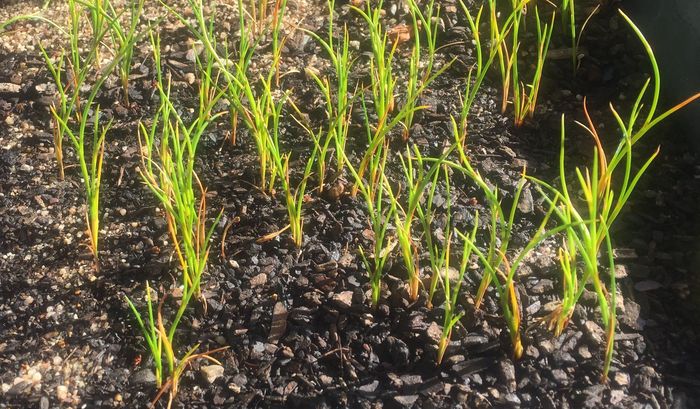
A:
(298, 322)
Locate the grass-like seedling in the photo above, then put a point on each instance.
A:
(501, 226)
(440, 256)
(70, 71)
(63, 109)
(257, 108)
(404, 219)
(90, 166)
(97, 12)
(105, 19)
(161, 345)
(568, 13)
(246, 49)
(500, 267)
(417, 179)
(339, 109)
(376, 138)
(525, 95)
(380, 215)
(483, 62)
(502, 273)
(123, 38)
(428, 21)
(277, 17)
(89, 151)
(438, 253)
(452, 316)
(383, 83)
(503, 50)
(583, 240)
(168, 170)
(294, 197)
(168, 149)
(591, 217)
(261, 116)
(383, 79)
(382, 86)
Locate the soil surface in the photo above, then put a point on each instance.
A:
(298, 322)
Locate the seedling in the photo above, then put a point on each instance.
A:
(502, 274)
(500, 268)
(437, 252)
(338, 112)
(440, 256)
(160, 345)
(380, 217)
(277, 17)
(257, 109)
(246, 49)
(452, 290)
(124, 38)
(261, 116)
(168, 171)
(90, 166)
(376, 138)
(382, 76)
(428, 21)
(294, 197)
(383, 82)
(168, 149)
(525, 96)
(96, 11)
(90, 155)
(403, 220)
(77, 69)
(568, 12)
(591, 218)
(417, 180)
(501, 226)
(484, 61)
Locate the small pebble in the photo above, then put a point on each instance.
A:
(211, 373)
(62, 393)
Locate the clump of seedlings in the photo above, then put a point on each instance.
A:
(160, 345)
(382, 75)
(479, 70)
(123, 38)
(428, 20)
(70, 108)
(590, 218)
(337, 98)
(380, 216)
(524, 96)
(440, 257)
(90, 164)
(70, 72)
(168, 148)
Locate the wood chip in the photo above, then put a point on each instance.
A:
(279, 323)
